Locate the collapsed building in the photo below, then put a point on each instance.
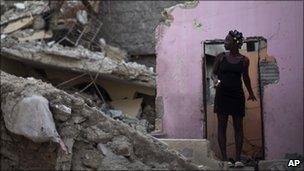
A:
(72, 99)
(69, 101)
(68, 60)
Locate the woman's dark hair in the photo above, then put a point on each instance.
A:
(237, 37)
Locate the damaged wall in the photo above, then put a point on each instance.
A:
(130, 24)
(179, 67)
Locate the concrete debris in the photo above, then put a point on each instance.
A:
(121, 146)
(19, 5)
(62, 112)
(112, 52)
(98, 142)
(3, 36)
(81, 60)
(39, 22)
(16, 25)
(32, 8)
(116, 114)
(104, 149)
(140, 125)
(39, 35)
(94, 134)
(149, 115)
(82, 17)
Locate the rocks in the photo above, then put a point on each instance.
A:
(91, 159)
(39, 23)
(82, 17)
(150, 116)
(86, 157)
(114, 163)
(94, 140)
(61, 112)
(116, 114)
(96, 134)
(121, 146)
(104, 149)
(139, 125)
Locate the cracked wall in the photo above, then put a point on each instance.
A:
(179, 67)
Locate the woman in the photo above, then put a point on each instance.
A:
(228, 70)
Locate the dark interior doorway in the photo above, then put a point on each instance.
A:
(255, 48)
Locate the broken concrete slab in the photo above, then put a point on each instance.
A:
(148, 152)
(31, 8)
(36, 36)
(80, 59)
(16, 25)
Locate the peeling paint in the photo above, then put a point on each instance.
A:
(167, 13)
(197, 25)
(269, 72)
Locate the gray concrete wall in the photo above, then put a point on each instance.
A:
(130, 24)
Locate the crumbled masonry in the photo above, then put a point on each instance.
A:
(94, 140)
(81, 60)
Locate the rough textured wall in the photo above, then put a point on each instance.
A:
(269, 72)
(179, 68)
(131, 24)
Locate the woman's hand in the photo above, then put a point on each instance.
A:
(251, 97)
(216, 82)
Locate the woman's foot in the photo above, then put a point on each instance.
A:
(239, 164)
(230, 164)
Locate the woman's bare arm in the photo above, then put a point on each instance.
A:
(247, 81)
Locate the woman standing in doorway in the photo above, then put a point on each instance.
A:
(228, 71)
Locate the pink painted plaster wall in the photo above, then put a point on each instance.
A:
(179, 58)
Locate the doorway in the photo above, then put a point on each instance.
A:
(255, 48)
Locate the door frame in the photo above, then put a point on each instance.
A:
(204, 80)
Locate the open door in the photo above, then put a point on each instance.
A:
(253, 146)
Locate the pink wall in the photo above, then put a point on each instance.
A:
(179, 70)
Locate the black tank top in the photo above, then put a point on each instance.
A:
(230, 74)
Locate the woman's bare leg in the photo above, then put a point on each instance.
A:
(238, 135)
(222, 127)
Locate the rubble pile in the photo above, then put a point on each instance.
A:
(23, 39)
(93, 140)
(69, 23)
(80, 60)
(79, 126)
(33, 32)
